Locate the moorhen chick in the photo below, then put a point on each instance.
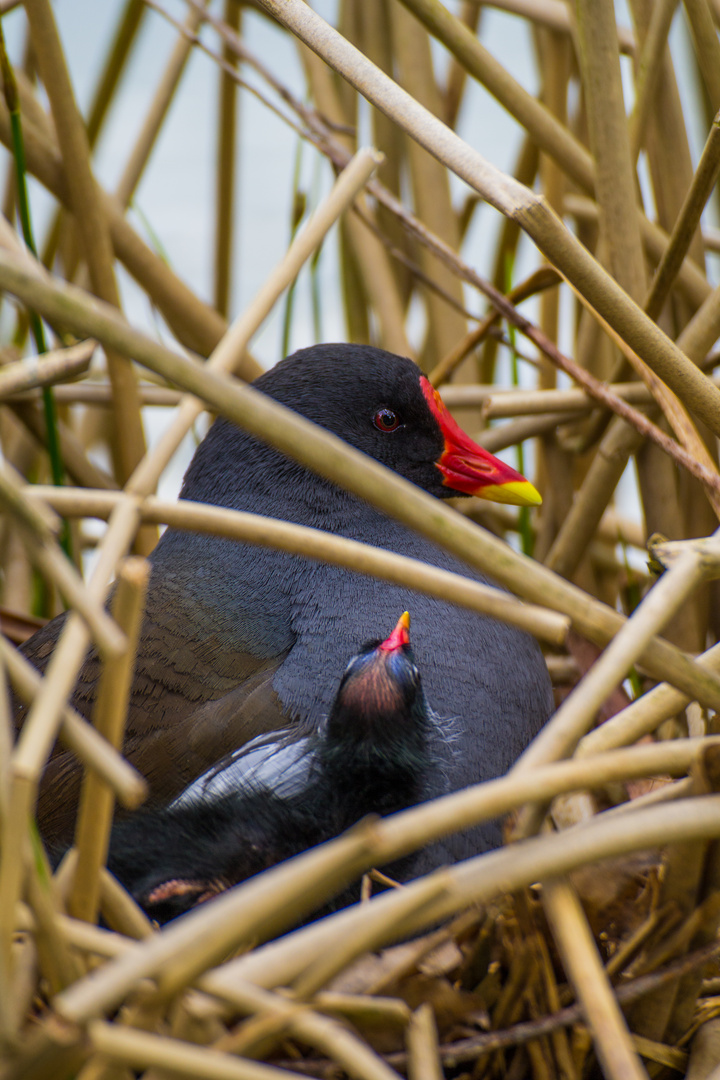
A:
(239, 641)
(377, 752)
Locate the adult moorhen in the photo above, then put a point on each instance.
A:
(380, 750)
(239, 641)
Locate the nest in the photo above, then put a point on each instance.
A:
(483, 994)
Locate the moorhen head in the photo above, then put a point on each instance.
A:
(381, 404)
(278, 798)
(240, 642)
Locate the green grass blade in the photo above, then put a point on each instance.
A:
(50, 412)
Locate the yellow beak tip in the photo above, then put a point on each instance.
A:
(516, 492)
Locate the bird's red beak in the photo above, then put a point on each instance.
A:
(466, 467)
(399, 636)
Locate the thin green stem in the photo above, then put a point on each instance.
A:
(152, 235)
(51, 423)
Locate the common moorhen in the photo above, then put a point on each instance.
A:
(377, 752)
(239, 641)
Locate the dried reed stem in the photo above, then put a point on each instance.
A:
(550, 135)
(430, 182)
(499, 402)
(143, 1050)
(92, 834)
(100, 393)
(687, 222)
(607, 124)
(584, 967)
(422, 1044)
(496, 402)
(260, 1034)
(196, 324)
(127, 31)
(90, 220)
(707, 46)
(225, 183)
(14, 844)
(78, 465)
(321, 1032)
(615, 447)
(576, 715)
(194, 944)
(90, 747)
(648, 71)
(52, 367)
(481, 878)
(313, 543)
(119, 909)
(46, 553)
(327, 965)
(46, 713)
(373, 266)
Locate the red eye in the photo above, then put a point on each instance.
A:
(386, 420)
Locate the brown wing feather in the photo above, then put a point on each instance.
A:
(170, 756)
(193, 701)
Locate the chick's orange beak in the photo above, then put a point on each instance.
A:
(466, 467)
(399, 636)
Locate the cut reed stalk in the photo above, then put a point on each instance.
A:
(687, 222)
(313, 543)
(92, 834)
(38, 529)
(422, 1043)
(585, 969)
(225, 183)
(143, 1050)
(481, 878)
(94, 751)
(47, 370)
